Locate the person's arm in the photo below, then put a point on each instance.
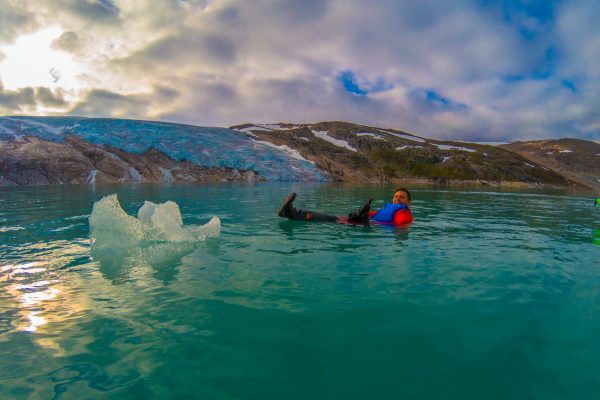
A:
(402, 217)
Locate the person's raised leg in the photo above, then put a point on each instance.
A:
(287, 210)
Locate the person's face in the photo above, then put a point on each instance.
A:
(401, 198)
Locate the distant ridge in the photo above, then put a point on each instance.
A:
(353, 152)
(576, 159)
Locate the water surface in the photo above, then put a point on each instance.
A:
(490, 295)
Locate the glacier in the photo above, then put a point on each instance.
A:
(205, 146)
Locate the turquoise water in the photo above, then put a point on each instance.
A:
(487, 295)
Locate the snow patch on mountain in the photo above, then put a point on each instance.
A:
(485, 143)
(459, 148)
(278, 127)
(374, 135)
(404, 136)
(285, 148)
(340, 143)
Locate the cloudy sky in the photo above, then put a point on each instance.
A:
(463, 69)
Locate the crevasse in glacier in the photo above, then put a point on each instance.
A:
(209, 147)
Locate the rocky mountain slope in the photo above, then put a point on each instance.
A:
(351, 152)
(577, 160)
(33, 161)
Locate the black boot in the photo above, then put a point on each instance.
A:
(287, 210)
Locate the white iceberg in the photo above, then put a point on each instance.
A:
(110, 226)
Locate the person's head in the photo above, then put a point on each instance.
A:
(401, 196)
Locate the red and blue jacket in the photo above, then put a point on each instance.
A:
(392, 214)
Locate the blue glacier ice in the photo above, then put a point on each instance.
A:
(206, 146)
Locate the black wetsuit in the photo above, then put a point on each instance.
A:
(288, 211)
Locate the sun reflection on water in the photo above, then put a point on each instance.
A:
(45, 301)
(36, 321)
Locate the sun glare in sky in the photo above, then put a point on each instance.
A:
(31, 61)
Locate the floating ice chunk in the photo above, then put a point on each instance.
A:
(209, 230)
(146, 211)
(111, 226)
(167, 224)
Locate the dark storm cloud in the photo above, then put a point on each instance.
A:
(16, 100)
(184, 48)
(28, 98)
(102, 103)
(50, 98)
(165, 93)
(95, 10)
(14, 19)
(204, 98)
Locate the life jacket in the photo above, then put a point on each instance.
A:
(386, 214)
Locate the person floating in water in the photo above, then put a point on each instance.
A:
(395, 213)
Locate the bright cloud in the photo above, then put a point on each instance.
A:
(31, 61)
(466, 69)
